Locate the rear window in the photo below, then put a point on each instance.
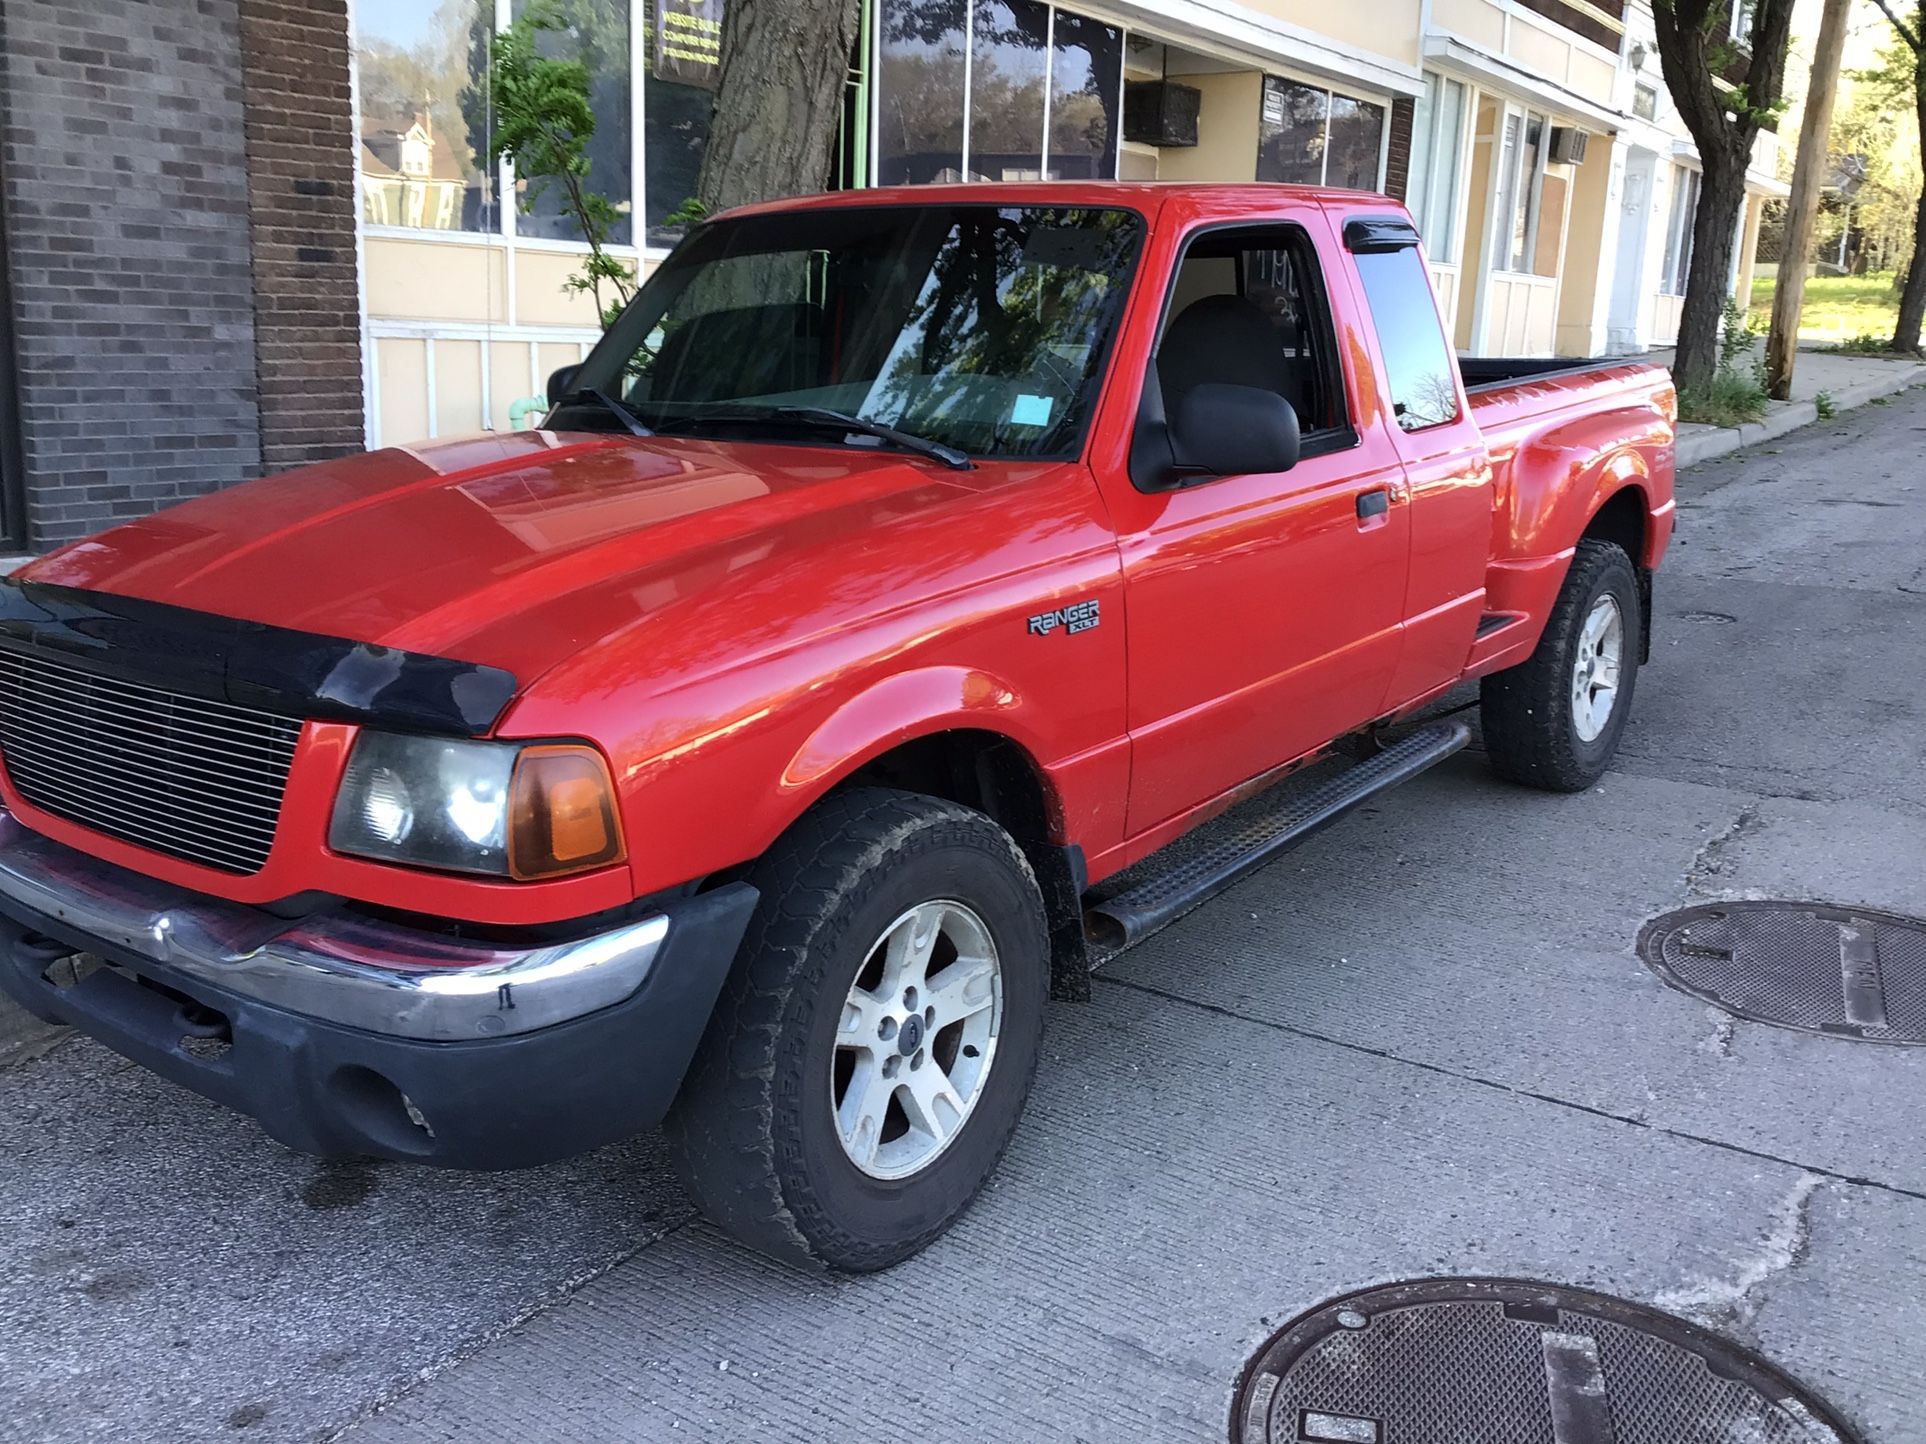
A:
(1417, 363)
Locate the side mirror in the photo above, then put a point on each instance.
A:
(562, 383)
(1224, 430)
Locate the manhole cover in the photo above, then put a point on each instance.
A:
(1506, 1361)
(1847, 971)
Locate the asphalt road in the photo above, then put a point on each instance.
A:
(1421, 1045)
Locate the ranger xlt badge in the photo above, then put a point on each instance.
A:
(1077, 617)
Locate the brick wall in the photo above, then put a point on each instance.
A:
(127, 205)
(301, 207)
(1397, 164)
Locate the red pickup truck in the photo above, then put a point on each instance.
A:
(745, 749)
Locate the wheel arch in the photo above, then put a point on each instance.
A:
(958, 734)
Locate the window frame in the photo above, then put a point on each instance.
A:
(1515, 188)
(1680, 221)
(1431, 209)
(1327, 440)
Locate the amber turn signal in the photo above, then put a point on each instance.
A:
(561, 813)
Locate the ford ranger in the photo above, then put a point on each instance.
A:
(751, 748)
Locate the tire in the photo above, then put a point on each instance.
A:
(1533, 728)
(755, 1130)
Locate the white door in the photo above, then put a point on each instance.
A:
(1628, 275)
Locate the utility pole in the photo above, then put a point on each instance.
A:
(1808, 176)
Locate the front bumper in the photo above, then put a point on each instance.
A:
(346, 1035)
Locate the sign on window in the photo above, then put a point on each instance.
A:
(688, 42)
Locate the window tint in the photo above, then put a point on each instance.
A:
(1417, 364)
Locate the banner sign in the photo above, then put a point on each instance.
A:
(688, 42)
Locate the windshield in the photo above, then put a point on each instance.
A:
(980, 328)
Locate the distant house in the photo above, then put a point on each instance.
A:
(411, 178)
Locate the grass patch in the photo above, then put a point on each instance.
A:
(1730, 399)
(1839, 309)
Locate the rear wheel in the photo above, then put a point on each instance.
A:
(1554, 721)
(870, 1056)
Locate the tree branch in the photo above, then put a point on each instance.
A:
(1906, 32)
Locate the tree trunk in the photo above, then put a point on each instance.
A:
(1912, 298)
(779, 99)
(1708, 282)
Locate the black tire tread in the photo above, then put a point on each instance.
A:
(725, 1128)
(1524, 709)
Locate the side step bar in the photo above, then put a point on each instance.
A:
(1131, 916)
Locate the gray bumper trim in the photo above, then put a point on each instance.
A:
(356, 971)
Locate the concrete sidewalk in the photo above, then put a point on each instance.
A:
(1844, 380)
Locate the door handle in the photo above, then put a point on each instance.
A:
(1374, 503)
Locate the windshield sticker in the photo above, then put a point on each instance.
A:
(1031, 410)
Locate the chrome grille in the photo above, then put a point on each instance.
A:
(197, 779)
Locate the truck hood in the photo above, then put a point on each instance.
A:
(512, 550)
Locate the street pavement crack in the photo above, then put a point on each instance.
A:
(1710, 860)
(398, 1389)
(1735, 1302)
(1684, 1136)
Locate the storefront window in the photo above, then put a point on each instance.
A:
(1086, 81)
(596, 33)
(1521, 195)
(1678, 230)
(921, 75)
(678, 102)
(1023, 61)
(425, 120)
(1292, 137)
(1311, 136)
(1356, 144)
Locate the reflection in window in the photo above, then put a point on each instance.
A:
(1291, 140)
(1086, 78)
(424, 115)
(1678, 230)
(982, 327)
(1436, 164)
(921, 75)
(1357, 140)
(678, 101)
(1009, 53)
(597, 34)
(1527, 190)
(1418, 371)
(1024, 61)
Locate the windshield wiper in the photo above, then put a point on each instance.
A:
(619, 410)
(825, 419)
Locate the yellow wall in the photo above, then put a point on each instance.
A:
(1227, 126)
(1478, 21)
(1383, 27)
(435, 280)
(539, 297)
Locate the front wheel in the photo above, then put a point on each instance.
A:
(1554, 720)
(870, 1056)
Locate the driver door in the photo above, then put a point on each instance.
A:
(1264, 612)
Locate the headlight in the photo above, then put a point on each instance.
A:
(505, 809)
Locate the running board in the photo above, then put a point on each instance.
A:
(1133, 915)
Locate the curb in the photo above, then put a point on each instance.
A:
(1703, 443)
